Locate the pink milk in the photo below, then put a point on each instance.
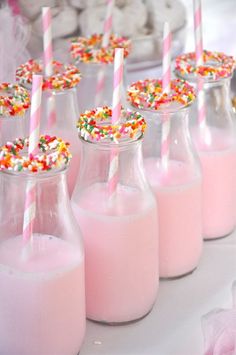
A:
(121, 248)
(218, 160)
(42, 301)
(179, 199)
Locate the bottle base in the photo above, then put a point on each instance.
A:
(169, 278)
(120, 323)
(207, 239)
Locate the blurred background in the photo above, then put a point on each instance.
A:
(141, 20)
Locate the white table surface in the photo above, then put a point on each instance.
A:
(174, 325)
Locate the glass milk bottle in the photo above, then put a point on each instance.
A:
(96, 66)
(215, 140)
(59, 106)
(14, 102)
(173, 171)
(42, 297)
(118, 218)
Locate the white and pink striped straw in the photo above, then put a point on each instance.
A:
(47, 40)
(35, 115)
(166, 82)
(48, 61)
(105, 42)
(116, 113)
(107, 24)
(199, 61)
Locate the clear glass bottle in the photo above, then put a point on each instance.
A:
(89, 95)
(120, 232)
(174, 173)
(42, 295)
(65, 105)
(215, 141)
(12, 127)
(96, 65)
(60, 109)
(14, 102)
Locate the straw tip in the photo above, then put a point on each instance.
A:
(45, 9)
(166, 26)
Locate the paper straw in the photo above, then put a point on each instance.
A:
(47, 40)
(29, 212)
(48, 59)
(108, 23)
(116, 112)
(166, 80)
(105, 42)
(198, 32)
(199, 61)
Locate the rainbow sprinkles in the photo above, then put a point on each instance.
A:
(149, 94)
(90, 50)
(14, 100)
(64, 76)
(53, 154)
(216, 65)
(96, 125)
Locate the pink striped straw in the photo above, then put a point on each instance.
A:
(108, 23)
(47, 40)
(116, 112)
(166, 81)
(48, 59)
(105, 41)
(199, 61)
(35, 114)
(198, 32)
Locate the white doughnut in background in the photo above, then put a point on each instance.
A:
(31, 9)
(61, 48)
(78, 4)
(134, 19)
(160, 11)
(91, 20)
(35, 45)
(82, 4)
(143, 48)
(64, 22)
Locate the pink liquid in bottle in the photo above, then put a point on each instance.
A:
(179, 199)
(42, 298)
(121, 248)
(218, 161)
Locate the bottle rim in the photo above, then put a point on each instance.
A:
(53, 155)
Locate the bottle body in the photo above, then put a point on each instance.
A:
(59, 116)
(96, 88)
(42, 272)
(120, 235)
(177, 185)
(215, 141)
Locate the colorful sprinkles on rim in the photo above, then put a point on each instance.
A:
(14, 100)
(148, 94)
(64, 76)
(95, 124)
(55, 154)
(216, 65)
(90, 50)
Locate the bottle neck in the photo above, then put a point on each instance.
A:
(96, 163)
(50, 193)
(167, 140)
(63, 104)
(12, 128)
